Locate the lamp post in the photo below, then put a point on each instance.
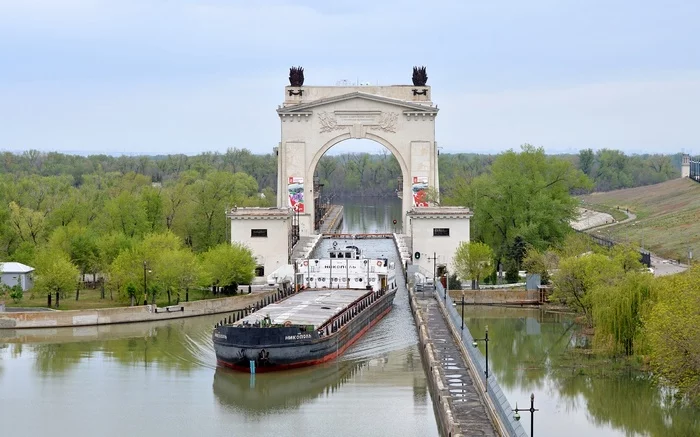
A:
(486, 342)
(532, 410)
(145, 288)
(462, 328)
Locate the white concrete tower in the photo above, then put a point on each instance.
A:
(685, 166)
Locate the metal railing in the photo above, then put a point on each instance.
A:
(494, 392)
(644, 255)
(695, 170)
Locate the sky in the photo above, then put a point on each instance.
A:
(186, 76)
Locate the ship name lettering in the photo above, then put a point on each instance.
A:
(222, 336)
(297, 337)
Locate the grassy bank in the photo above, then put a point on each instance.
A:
(668, 216)
(91, 299)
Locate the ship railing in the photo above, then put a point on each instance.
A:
(243, 312)
(338, 321)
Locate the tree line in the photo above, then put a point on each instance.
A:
(349, 174)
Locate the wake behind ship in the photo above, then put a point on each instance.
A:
(316, 324)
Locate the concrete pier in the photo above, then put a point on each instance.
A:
(461, 407)
(332, 221)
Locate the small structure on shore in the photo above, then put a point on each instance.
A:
(13, 273)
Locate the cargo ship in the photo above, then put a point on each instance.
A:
(339, 298)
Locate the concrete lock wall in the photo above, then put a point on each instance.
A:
(494, 297)
(444, 417)
(144, 313)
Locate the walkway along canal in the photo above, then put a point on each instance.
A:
(464, 407)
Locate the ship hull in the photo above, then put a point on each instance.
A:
(273, 356)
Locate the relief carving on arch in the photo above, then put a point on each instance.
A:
(328, 122)
(385, 121)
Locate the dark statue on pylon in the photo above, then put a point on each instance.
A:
(420, 76)
(296, 76)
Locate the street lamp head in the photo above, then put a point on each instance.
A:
(475, 344)
(516, 416)
(487, 328)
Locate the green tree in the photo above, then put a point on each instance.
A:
(541, 263)
(578, 276)
(152, 200)
(84, 252)
(526, 194)
(618, 308)
(672, 329)
(55, 273)
(586, 159)
(228, 264)
(473, 261)
(177, 270)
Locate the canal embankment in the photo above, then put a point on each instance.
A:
(142, 313)
(498, 297)
(461, 409)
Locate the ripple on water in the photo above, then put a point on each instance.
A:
(396, 331)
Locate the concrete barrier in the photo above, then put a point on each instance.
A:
(495, 297)
(143, 313)
(444, 418)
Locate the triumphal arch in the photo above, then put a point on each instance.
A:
(315, 118)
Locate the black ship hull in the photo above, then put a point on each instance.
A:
(279, 348)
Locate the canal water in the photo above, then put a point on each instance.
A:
(534, 352)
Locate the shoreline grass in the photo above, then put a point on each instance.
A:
(90, 299)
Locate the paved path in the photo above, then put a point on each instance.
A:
(332, 221)
(467, 406)
(661, 266)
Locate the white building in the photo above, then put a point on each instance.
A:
(685, 166)
(266, 232)
(435, 235)
(14, 273)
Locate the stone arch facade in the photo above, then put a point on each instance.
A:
(314, 119)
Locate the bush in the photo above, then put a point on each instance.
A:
(512, 274)
(454, 282)
(16, 293)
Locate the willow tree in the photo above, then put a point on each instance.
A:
(618, 310)
(473, 261)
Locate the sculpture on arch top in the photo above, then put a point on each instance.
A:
(296, 76)
(420, 76)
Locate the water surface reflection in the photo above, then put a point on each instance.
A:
(577, 394)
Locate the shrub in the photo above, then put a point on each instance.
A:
(16, 293)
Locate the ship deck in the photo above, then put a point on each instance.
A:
(309, 307)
